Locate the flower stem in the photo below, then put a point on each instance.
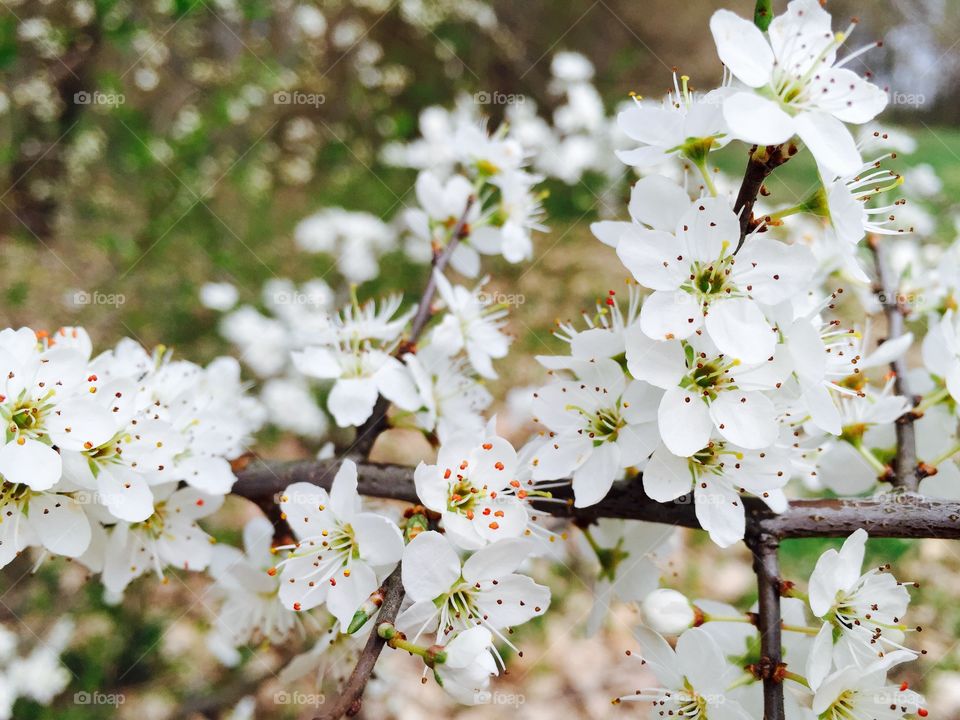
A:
(799, 679)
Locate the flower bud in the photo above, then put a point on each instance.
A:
(668, 611)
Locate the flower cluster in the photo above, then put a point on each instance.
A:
(112, 459)
(846, 654)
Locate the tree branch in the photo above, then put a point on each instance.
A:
(900, 515)
(763, 161)
(766, 565)
(888, 292)
(350, 699)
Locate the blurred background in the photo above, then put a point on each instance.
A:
(151, 147)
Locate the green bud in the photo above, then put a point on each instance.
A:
(763, 14)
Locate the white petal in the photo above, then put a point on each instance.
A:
(670, 315)
(658, 202)
(831, 143)
(757, 120)
(430, 566)
(514, 600)
(740, 330)
(720, 512)
(379, 540)
(651, 256)
(667, 476)
(658, 362)
(33, 463)
(609, 231)
(742, 48)
(344, 499)
(60, 524)
(497, 560)
(352, 399)
(125, 494)
(592, 480)
(316, 362)
(748, 419)
(307, 509)
(350, 592)
(685, 423)
(821, 657)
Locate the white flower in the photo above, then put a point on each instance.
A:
(854, 692)
(668, 612)
(864, 611)
(451, 399)
(698, 280)
(941, 352)
(356, 239)
(796, 86)
(251, 609)
(468, 666)
(442, 205)
(341, 554)
(355, 354)
(596, 425)
(717, 474)
(54, 521)
(684, 123)
(513, 218)
(604, 336)
(486, 591)
(475, 488)
(471, 324)
(221, 296)
(693, 678)
(706, 391)
(627, 552)
(170, 536)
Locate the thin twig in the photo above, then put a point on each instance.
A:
(350, 698)
(763, 161)
(440, 261)
(368, 432)
(905, 473)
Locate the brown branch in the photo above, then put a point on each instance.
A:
(905, 469)
(900, 515)
(763, 161)
(350, 698)
(377, 422)
(766, 565)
